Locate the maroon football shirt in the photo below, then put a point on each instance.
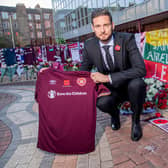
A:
(50, 53)
(29, 57)
(67, 111)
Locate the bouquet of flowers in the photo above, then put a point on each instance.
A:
(148, 105)
(46, 64)
(71, 66)
(157, 95)
(125, 108)
(153, 87)
(161, 97)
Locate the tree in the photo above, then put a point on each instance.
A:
(60, 41)
(5, 42)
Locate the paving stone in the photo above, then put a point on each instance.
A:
(113, 148)
(22, 166)
(137, 158)
(70, 163)
(156, 160)
(27, 99)
(83, 161)
(25, 159)
(105, 154)
(60, 158)
(128, 164)
(94, 162)
(29, 131)
(58, 165)
(114, 140)
(107, 164)
(12, 162)
(21, 117)
(35, 163)
(17, 107)
(147, 164)
(119, 158)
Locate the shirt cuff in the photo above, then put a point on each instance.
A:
(109, 76)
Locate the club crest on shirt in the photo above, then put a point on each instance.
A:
(81, 81)
(51, 94)
(52, 82)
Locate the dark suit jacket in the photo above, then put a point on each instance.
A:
(128, 58)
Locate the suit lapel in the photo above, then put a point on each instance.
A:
(98, 59)
(118, 50)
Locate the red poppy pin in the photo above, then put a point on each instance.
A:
(117, 48)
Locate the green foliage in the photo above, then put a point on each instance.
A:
(60, 41)
(5, 42)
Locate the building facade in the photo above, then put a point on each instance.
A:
(27, 26)
(73, 17)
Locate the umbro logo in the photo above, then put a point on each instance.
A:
(52, 82)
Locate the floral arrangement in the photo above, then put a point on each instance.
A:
(71, 65)
(125, 108)
(149, 105)
(156, 97)
(153, 87)
(46, 64)
(157, 93)
(161, 97)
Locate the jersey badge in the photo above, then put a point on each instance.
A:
(81, 81)
(51, 94)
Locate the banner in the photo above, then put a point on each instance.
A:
(74, 51)
(156, 54)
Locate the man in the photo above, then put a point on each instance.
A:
(120, 68)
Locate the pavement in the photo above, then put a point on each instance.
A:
(114, 149)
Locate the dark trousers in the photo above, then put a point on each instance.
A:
(133, 91)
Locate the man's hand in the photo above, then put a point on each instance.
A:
(98, 77)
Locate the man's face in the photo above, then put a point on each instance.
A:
(102, 28)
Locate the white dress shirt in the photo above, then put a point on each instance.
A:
(111, 44)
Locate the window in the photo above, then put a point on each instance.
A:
(46, 16)
(32, 34)
(39, 34)
(73, 15)
(100, 4)
(5, 15)
(89, 4)
(1, 33)
(29, 17)
(5, 25)
(47, 24)
(31, 25)
(139, 1)
(62, 24)
(48, 33)
(15, 25)
(74, 24)
(38, 26)
(37, 17)
(14, 16)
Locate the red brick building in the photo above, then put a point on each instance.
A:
(27, 26)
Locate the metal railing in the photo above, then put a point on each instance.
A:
(148, 8)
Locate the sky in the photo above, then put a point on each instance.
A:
(27, 3)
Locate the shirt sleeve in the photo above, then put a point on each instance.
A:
(37, 88)
(110, 79)
(103, 90)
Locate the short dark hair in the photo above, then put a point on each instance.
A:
(101, 12)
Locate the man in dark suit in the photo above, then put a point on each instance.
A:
(120, 67)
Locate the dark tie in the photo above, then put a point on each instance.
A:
(108, 57)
